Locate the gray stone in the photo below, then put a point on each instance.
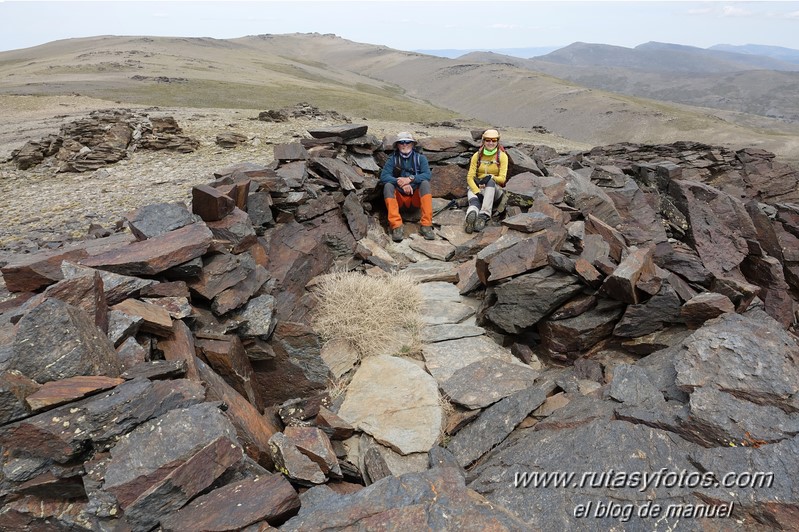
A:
(395, 401)
(486, 381)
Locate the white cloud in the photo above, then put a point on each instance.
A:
(792, 14)
(704, 11)
(731, 11)
(504, 26)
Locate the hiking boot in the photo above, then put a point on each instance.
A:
(503, 202)
(470, 219)
(480, 224)
(397, 234)
(427, 232)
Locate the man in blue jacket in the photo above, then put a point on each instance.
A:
(406, 183)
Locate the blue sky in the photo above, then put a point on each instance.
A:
(413, 24)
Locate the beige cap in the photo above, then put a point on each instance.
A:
(404, 135)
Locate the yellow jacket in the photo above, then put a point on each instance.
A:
(482, 166)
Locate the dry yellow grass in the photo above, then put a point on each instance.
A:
(378, 316)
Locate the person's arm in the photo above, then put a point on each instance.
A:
(503, 169)
(387, 174)
(472, 174)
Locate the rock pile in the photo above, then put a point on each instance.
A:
(104, 138)
(641, 302)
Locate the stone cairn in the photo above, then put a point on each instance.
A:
(104, 137)
(168, 376)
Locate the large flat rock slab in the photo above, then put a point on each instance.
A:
(443, 359)
(395, 401)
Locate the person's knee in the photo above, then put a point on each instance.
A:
(424, 188)
(490, 183)
(388, 190)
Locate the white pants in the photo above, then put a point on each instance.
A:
(483, 202)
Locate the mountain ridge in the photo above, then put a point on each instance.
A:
(365, 80)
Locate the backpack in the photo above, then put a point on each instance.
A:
(398, 163)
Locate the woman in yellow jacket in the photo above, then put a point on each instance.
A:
(488, 172)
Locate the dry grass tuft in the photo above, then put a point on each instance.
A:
(377, 315)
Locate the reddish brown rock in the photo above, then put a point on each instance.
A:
(27, 273)
(265, 498)
(85, 292)
(620, 285)
(703, 307)
(56, 393)
(179, 346)
(153, 256)
(252, 428)
(228, 359)
(156, 319)
(210, 204)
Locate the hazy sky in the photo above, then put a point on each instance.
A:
(412, 24)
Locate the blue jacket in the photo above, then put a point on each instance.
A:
(415, 166)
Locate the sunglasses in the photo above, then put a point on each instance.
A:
(405, 142)
(490, 140)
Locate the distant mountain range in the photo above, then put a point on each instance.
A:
(591, 93)
(779, 53)
(763, 85)
(453, 53)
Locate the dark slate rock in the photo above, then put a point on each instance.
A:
(14, 388)
(750, 355)
(767, 272)
(235, 231)
(703, 307)
(259, 209)
(583, 452)
(338, 170)
(641, 225)
(220, 272)
(495, 423)
(524, 300)
(269, 498)
(580, 410)
(432, 500)
(659, 366)
(56, 340)
(719, 225)
(100, 419)
(570, 336)
(654, 314)
(157, 219)
(345, 131)
(682, 260)
(357, 220)
(587, 197)
(294, 464)
(117, 287)
(631, 385)
(733, 421)
(768, 496)
(151, 480)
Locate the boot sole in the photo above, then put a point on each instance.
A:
(470, 219)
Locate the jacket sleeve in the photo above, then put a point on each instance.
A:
(472, 174)
(503, 169)
(424, 170)
(387, 174)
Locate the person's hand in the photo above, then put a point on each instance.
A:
(408, 189)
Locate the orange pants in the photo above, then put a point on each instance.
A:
(401, 201)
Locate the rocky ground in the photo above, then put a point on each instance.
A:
(41, 206)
